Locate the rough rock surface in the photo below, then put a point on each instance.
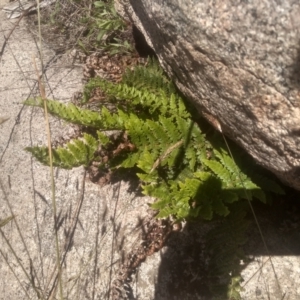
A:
(98, 225)
(95, 222)
(239, 62)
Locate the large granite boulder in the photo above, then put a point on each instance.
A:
(239, 63)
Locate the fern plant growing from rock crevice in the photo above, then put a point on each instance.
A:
(176, 163)
(190, 176)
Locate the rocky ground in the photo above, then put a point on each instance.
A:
(112, 248)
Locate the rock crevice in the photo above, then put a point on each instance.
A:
(238, 62)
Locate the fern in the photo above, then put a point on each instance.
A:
(73, 114)
(190, 176)
(170, 149)
(76, 153)
(151, 79)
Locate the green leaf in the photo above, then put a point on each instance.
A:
(190, 176)
(103, 138)
(219, 170)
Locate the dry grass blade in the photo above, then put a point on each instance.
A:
(257, 224)
(20, 264)
(6, 221)
(12, 217)
(43, 95)
(15, 275)
(166, 154)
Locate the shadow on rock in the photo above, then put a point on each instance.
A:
(187, 265)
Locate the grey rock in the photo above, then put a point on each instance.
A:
(16, 8)
(239, 63)
(109, 219)
(95, 222)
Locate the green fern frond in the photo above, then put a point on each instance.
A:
(76, 153)
(227, 161)
(158, 101)
(191, 158)
(146, 161)
(202, 189)
(155, 131)
(73, 114)
(220, 171)
(234, 288)
(150, 78)
(40, 153)
(190, 177)
(131, 160)
(232, 176)
(171, 129)
(103, 138)
(172, 200)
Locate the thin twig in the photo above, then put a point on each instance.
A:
(165, 155)
(256, 220)
(24, 244)
(43, 95)
(71, 232)
(16, 276)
